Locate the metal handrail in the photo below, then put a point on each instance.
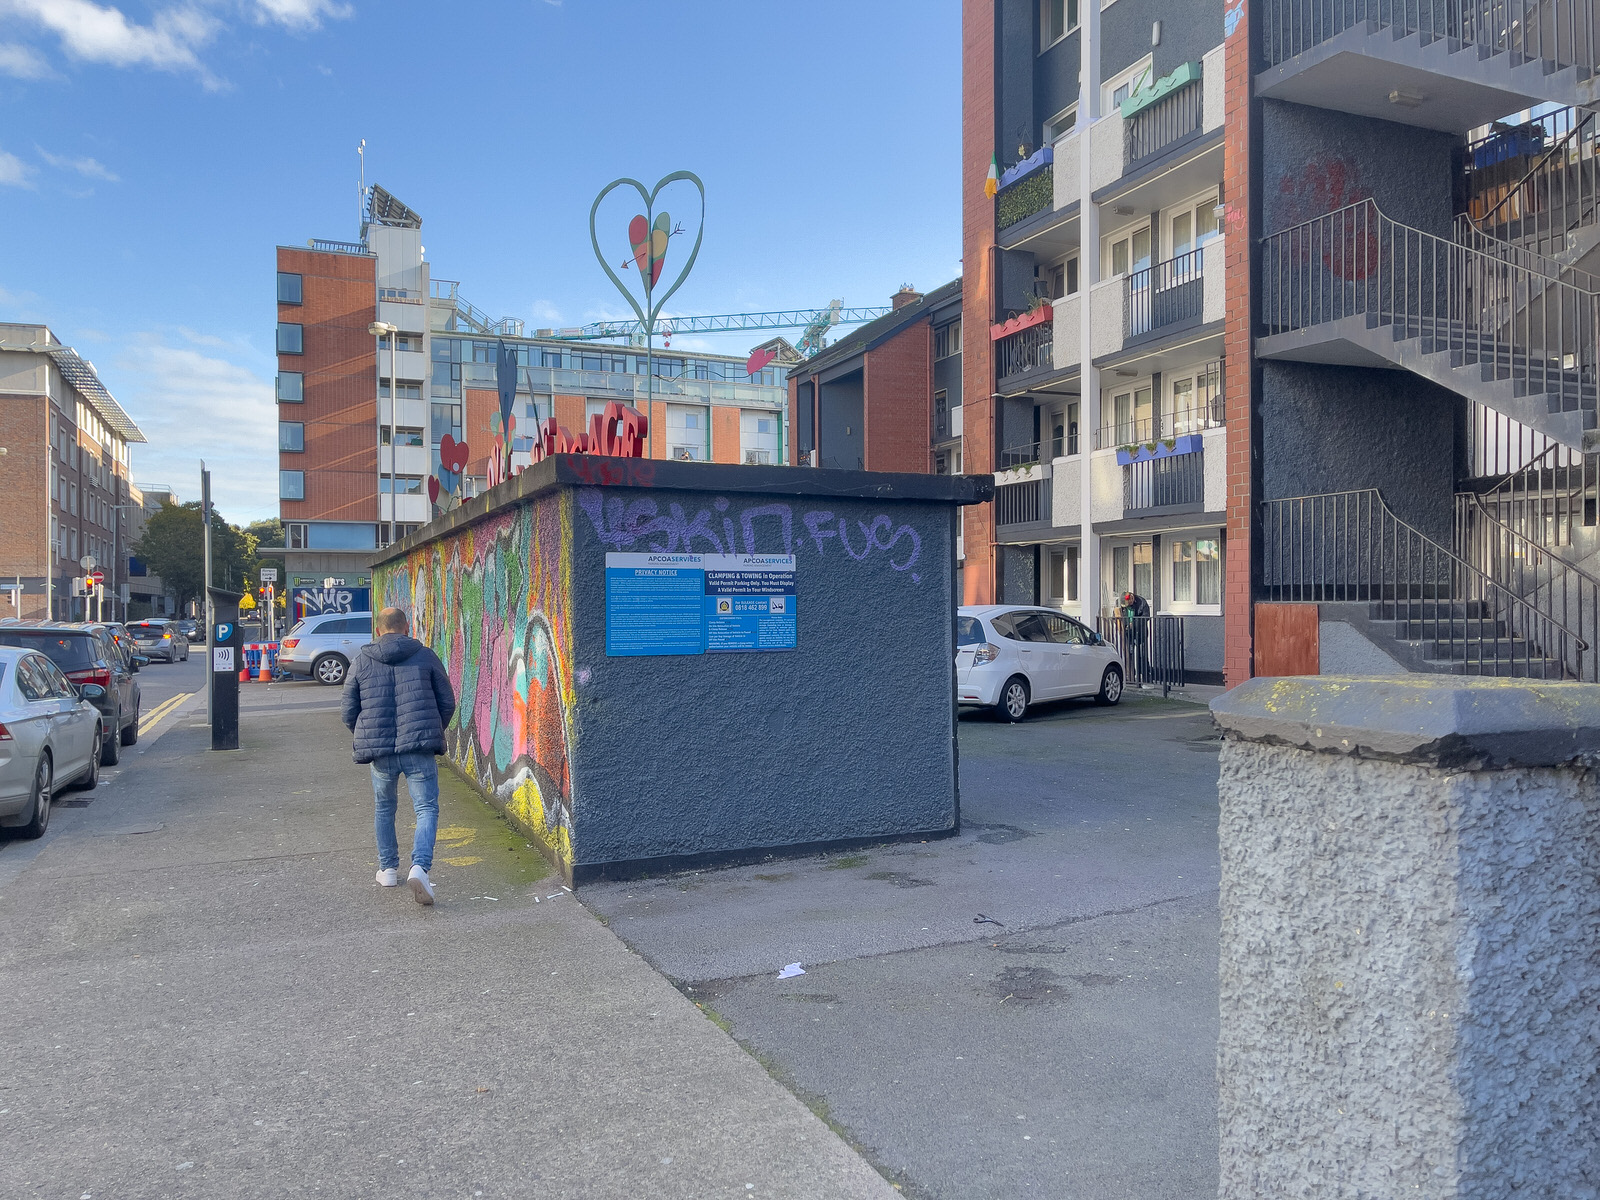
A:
(1535, 547)
(1357, 527)
(1560, 147)
(1525, 257)
(1355, 261)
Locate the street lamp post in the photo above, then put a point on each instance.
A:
(380, 329)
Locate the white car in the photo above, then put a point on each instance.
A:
(322, 647)
(50, 735)
(1009, 656)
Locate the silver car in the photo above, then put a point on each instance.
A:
(322, 647)
(50, 735)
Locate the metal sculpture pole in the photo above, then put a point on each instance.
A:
(648, 235)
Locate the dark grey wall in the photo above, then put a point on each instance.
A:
(1333, 429)
(1202, 647)
(1016, 284)
(1019, 569)
(805, 412)
(1016, 44)
(716, 753)
(841, 438)
(1316, 160)
(947, 377)
(1188, 29)
(1055, 80)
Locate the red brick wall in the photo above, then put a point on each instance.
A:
(1238, 654)
(977, 283)
(479, 404)
(897, 401)
(725, 434)
(25, 476)
(340, 409)
(569, 413)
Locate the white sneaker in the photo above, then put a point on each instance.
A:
(389, 877)
(421, 888)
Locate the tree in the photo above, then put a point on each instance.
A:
(173, 547)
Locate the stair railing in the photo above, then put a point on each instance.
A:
(1350, 546)
(1532, 571)
(1560, 32)
(1555, 196)
(1515, 323)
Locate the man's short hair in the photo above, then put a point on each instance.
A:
(394, 620)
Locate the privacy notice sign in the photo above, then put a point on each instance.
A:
(699, 603)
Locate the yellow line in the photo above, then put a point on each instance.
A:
(163, 710)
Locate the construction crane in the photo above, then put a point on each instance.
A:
(814, 322)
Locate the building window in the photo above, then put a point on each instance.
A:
(291, 436)
(1129, 251)
(296, 535)
(550, 358)
(1064, 575)
(947, 340)
(403, 436)
(1197, 573)
(291, 387)
(411, 342)
(1057, 18)
(289, 288)
(291, 485)
(410, 389)
(1063, 123)
(291, 338)
(686, 432)
(1064, 431)
(404, 485)
(758, 437)
(446, 419)
(1118, 88)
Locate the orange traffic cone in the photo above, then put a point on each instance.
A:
(244, 675)
(264, 675)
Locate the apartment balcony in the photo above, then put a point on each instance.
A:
(1146, 308)
(1206, 411)
(1177, 484)
(404, 313)
(1022, 503)
(947, 424)
(1164, 142)
(1165, 485)
(1445, 64)
(1024, 347)
(1026, 189)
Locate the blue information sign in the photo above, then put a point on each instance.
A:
(699, 603)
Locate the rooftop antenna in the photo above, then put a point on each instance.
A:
(361, 195)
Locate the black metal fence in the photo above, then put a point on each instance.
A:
(1349, 546)
(1173, 117)
(1151, 648)
(1165, 293)
(1026, 350)
(1178, 479)
(1559, 32)
(1022, 503)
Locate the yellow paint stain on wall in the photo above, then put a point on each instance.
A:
(526, 808)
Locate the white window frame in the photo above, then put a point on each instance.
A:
(1125, 233)
(1191, 607)
(1133, 76)
(1049, 138)
(1067, 29)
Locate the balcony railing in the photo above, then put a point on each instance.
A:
(1167, 293)
(1022, 503)
(330, 246)
(1019, 456)
(1026, 350)
(1151, 648)
(1161, 483)
(1206, 411)
(1170, 119)
(1561, 32)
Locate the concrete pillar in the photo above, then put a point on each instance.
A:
(1410, 966)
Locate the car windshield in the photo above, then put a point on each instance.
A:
(69, 651)
(969, 631)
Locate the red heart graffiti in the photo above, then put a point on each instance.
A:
(452, 454)
(433, 488)
(759, 359)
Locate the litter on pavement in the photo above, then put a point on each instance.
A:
(791, 971)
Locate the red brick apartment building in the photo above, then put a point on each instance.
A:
(67, 478)
(345, 393)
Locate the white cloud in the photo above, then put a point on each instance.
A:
(88, 167)
(23, 62)
(14, 172)
(99, 34)
(300, 14)
(194, 406)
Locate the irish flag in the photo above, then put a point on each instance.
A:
(991, 185)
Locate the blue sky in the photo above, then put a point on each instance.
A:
(154, 154)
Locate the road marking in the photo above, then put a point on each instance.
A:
(162, 710)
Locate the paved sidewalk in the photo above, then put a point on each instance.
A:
(208, 996)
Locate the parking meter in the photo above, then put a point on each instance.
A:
(227, 656)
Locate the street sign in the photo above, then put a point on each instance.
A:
(87, 562)
(99, 577)
(269, 574)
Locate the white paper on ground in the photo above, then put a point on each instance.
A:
(791, 971)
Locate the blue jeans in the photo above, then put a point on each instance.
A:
(421, 770)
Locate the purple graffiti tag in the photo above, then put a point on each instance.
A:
(814, 526)
(700, 527)
(727, 529)
(785, 516)
(903, 531)
(844, 539)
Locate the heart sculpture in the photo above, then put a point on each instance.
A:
(648, 235)
(433, 489)
(759, 359)
(452, 454)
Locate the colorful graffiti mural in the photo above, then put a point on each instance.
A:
(491, 601)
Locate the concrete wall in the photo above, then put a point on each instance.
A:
(841, 432)
(612, 761)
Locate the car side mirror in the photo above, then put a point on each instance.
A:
(139, 660)
(91, 691)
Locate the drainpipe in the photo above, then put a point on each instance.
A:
(1088, 276)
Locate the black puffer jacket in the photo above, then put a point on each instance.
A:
(398, 699)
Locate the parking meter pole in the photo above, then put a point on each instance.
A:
(227, 653)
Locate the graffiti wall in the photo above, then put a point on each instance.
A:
(493, 602)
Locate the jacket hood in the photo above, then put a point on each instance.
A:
(393, 648)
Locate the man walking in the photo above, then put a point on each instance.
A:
(397, 702)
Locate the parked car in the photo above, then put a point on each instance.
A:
(160, 638)
(191, 630)
(1009, 657)
(321, 647)
(50, 736)
(88, 654)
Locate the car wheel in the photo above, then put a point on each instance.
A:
(130, 731)
(90, 779)
(1013, 702)
(111, 747)
(1110, 686)
(42, 796)
(329, 669)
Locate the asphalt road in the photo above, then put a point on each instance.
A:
(1026, 1010)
